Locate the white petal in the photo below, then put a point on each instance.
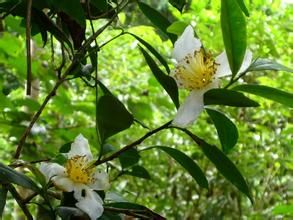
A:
(223, 68)
(63, 183)
(189, 111)
(91, 204)
(80, 147)
(52, 169)
(78, 188)
(246, 61)
(192, 107)
(186, 44)
(102, 181)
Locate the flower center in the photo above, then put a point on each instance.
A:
(195, 71)
(78, 171)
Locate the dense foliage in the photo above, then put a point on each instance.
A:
(104, 69)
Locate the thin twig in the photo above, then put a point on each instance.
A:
(19, 200)
(77, 57)
(28, 48)
(133, 144)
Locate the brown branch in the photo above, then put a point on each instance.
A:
(19, 200)
(133, 144)
(28, 48)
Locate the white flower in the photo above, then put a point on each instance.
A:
(197, 71)
(78, 176)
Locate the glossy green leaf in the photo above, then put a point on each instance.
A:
(3, 195)
(153, 51)
(224, 165)
(157, 19)
(234, 33)
(267, 64)
(129, 158)
(227, 131)
(187, 163)
(138, 171)
(179, 4)
(243, 7)
(8, 175)
(273, 94)
(113, 117)
(166, 81)
(100, 4)
(228, 97)
(72, 8)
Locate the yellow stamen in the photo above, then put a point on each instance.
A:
(78, 170)
(195, 71)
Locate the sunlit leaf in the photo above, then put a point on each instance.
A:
(273, 94)
(157, 19)
(227, 131)
(283, 210)
(234, 33)
(177, 27)
(113, 117)
(228, 97)
(267, 64)
(187, 163)
(166, 81)
(8, 175)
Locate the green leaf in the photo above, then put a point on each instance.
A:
(283, 210)
(135, 207)
(179, 4)
(267, 64)
(113, 117)
(243, 7)
(129, 158)
(224, 165)
(166, 81)
(273, 94)
(234, 33)
(227, 97)
(65, 148)
(157, 19)
(138, 171)
(31, 104)
(177, 27)
(227, 131)
(187, 163)
(153, 51)
(100, 4)
(72, 8)
(45, 23)
(8, 175)
(3, 195)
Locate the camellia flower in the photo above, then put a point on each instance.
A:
(197, 71)
(79, 176)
